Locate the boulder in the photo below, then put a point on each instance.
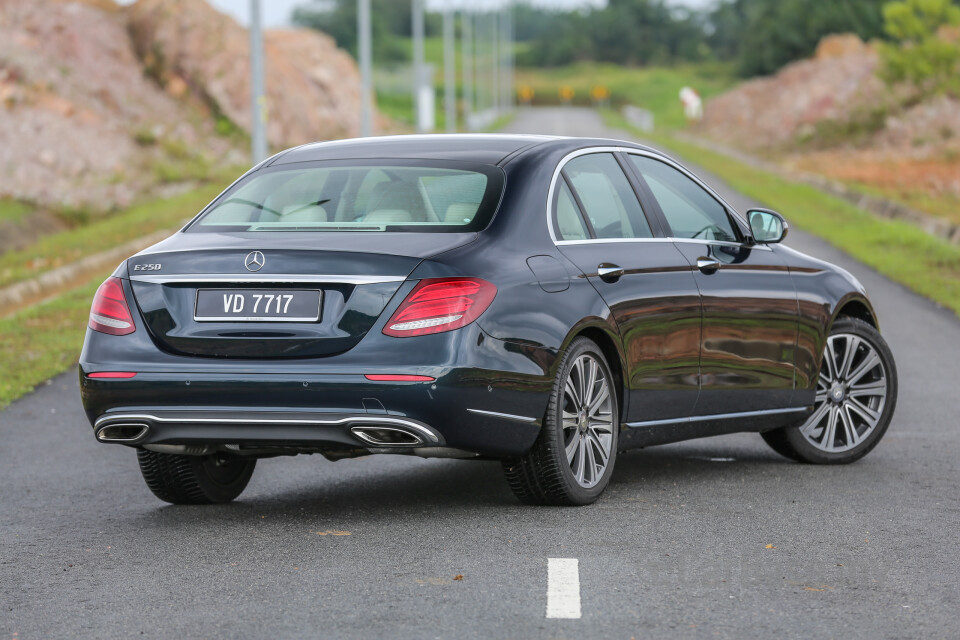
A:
(313, 88)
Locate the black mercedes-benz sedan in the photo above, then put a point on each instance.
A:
(547, 302)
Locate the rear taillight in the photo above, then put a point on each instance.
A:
(397, 377)
(113, 375)
(440, 304)
(109, 312)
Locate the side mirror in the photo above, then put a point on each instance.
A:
(767, 227)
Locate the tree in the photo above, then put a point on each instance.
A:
(773, 33)
(338, 18)
(923, 53)
(622, 32)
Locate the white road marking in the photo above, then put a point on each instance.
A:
(563, 588)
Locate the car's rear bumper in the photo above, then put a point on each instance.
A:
(493, 408)
(330, 414)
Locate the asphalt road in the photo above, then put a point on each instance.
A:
(717, 537)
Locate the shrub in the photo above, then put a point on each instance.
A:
(923, 54)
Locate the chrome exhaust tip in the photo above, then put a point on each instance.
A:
(122, 432)
(382, 436)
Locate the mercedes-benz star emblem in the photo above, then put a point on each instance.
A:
(254, 261)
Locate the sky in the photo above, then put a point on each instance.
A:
(277, 12)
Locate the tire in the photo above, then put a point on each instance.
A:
(195, 479)
(548, 474)
(855, 401)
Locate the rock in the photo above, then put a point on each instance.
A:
(775, 111)
(81, 81)
(313, 88)
(840, 45)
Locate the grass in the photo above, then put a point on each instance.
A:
(137, 221)
(399, 105)
(902, 252)
(13, 210)
(42, 341)
(655, 89)
(945, 206)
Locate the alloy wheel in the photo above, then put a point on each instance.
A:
(587, 420)
(851, 394)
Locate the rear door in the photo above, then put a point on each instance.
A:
(750, 314)
(599, 224)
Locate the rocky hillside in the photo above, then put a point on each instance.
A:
(831, 115)
(101, 104)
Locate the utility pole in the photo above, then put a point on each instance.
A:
(449, 70)
(418, 71)
(508, 61)
(466, 60)
(496, 65)
(258, 101)
(366, 73)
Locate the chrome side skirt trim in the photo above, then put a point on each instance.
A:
(428, 435)
(264, 277)
(718, 416)
(505, 416)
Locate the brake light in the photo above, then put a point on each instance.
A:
(109, 312)
(440, 304)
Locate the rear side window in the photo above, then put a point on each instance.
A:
(688, 208)
(396, 196)
(606, 196)
(569, 223)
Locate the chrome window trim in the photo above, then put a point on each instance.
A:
(561, 243)
(264, 277)
(760, 247)
(556, 174)
(718, 416)
(654, 156)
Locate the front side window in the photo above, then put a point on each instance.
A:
(340, 197)
(608, 200)
(690, 211)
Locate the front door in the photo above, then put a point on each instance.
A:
(750, 314)
(648, 285)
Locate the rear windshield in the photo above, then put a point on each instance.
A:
(390, 196)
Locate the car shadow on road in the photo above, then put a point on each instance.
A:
(450, 489)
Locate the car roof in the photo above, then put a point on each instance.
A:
(478, 147)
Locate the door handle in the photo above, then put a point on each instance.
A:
(609, 272)
(708, 265)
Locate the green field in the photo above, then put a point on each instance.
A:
(105, 233)
(13, 210)
(655, 89)
(43, 341)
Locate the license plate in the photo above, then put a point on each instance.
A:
(257, 305)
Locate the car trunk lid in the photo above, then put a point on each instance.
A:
(352, 278)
